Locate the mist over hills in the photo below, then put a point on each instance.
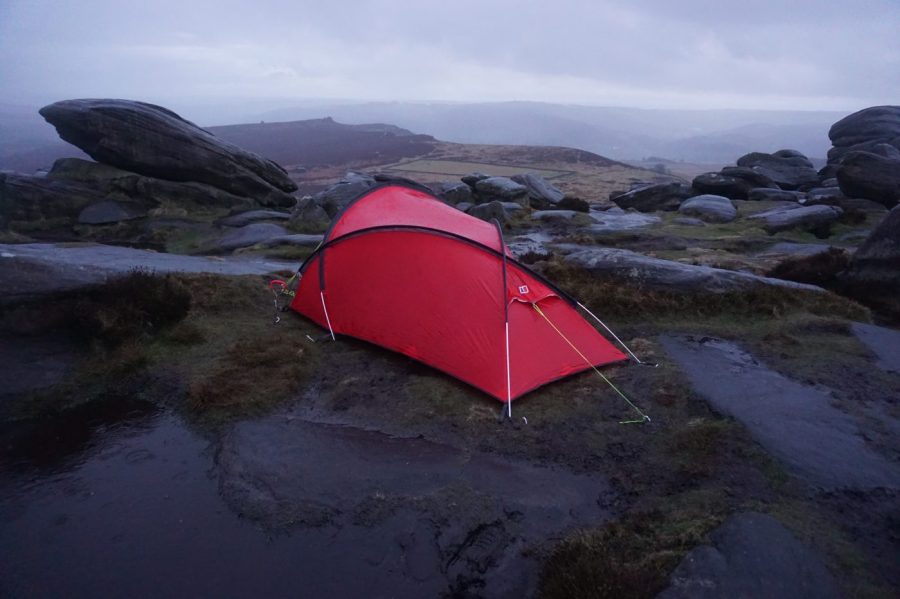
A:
(715, 136)
(710, 136)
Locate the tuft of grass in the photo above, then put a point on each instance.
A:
(819, 269)
(129, 307)
(631, 557)
(252, 376)
(697, 447)
(628, 302)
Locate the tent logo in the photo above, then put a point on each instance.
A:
(523, 289)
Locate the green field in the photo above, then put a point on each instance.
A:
(459, 168)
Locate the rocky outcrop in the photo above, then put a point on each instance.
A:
(555, 216)
(662, 196)
(710, 208)
(73, 184)
(874, 272)
(473, 178)
(751, 555)
(501, 189)
(666, 275)
(155, 142)
(295, 240)
(722, 185)
(824, 195)
(35, 200)
(251, 216)
(789, 169)
(754, 177)
(765, 194)
(541, 193)
(490, 211)
(308, 216)
(864, 130)
(338, 196)
(871, 176)
(454, 192)
(817, 219)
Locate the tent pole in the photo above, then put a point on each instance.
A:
(505, 318)
(324, 309)
(609, 330)
(508, 385)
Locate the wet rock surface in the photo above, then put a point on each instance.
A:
(455, 192)
(710, 208)
(110, 212)
(868, 175)
(35, 269)
(251, 216)
(884, 343)
(751, 555)
(874, 272)
(662, 196)
(788, 169)
(249, 235)
(796, 423)
(864, 130)
(501, 189)
(814, 218)
(616, 219)
(541, 192)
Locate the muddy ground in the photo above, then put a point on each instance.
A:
(217, 453)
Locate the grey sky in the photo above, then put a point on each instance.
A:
(792, 54)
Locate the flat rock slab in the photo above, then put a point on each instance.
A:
(710, 208)
(751, 555)
(794, 422)
(805, 216)
(798, 250)
(31, 270)
(647, 272)
(476, 512)
(297, 239)
(616, 219)
(251, 216)
(248, 235)
(884, 343)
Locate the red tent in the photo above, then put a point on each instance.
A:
(403, 270)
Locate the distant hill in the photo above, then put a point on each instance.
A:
(323, 142)
(712, 136)
(317, 133)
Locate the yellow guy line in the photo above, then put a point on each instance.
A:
(644, 417)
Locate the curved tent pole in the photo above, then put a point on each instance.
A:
(616, 337)
(506, 320)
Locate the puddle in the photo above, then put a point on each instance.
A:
(883, 342)
(127, 501)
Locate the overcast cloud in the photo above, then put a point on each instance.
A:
(802, 54)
